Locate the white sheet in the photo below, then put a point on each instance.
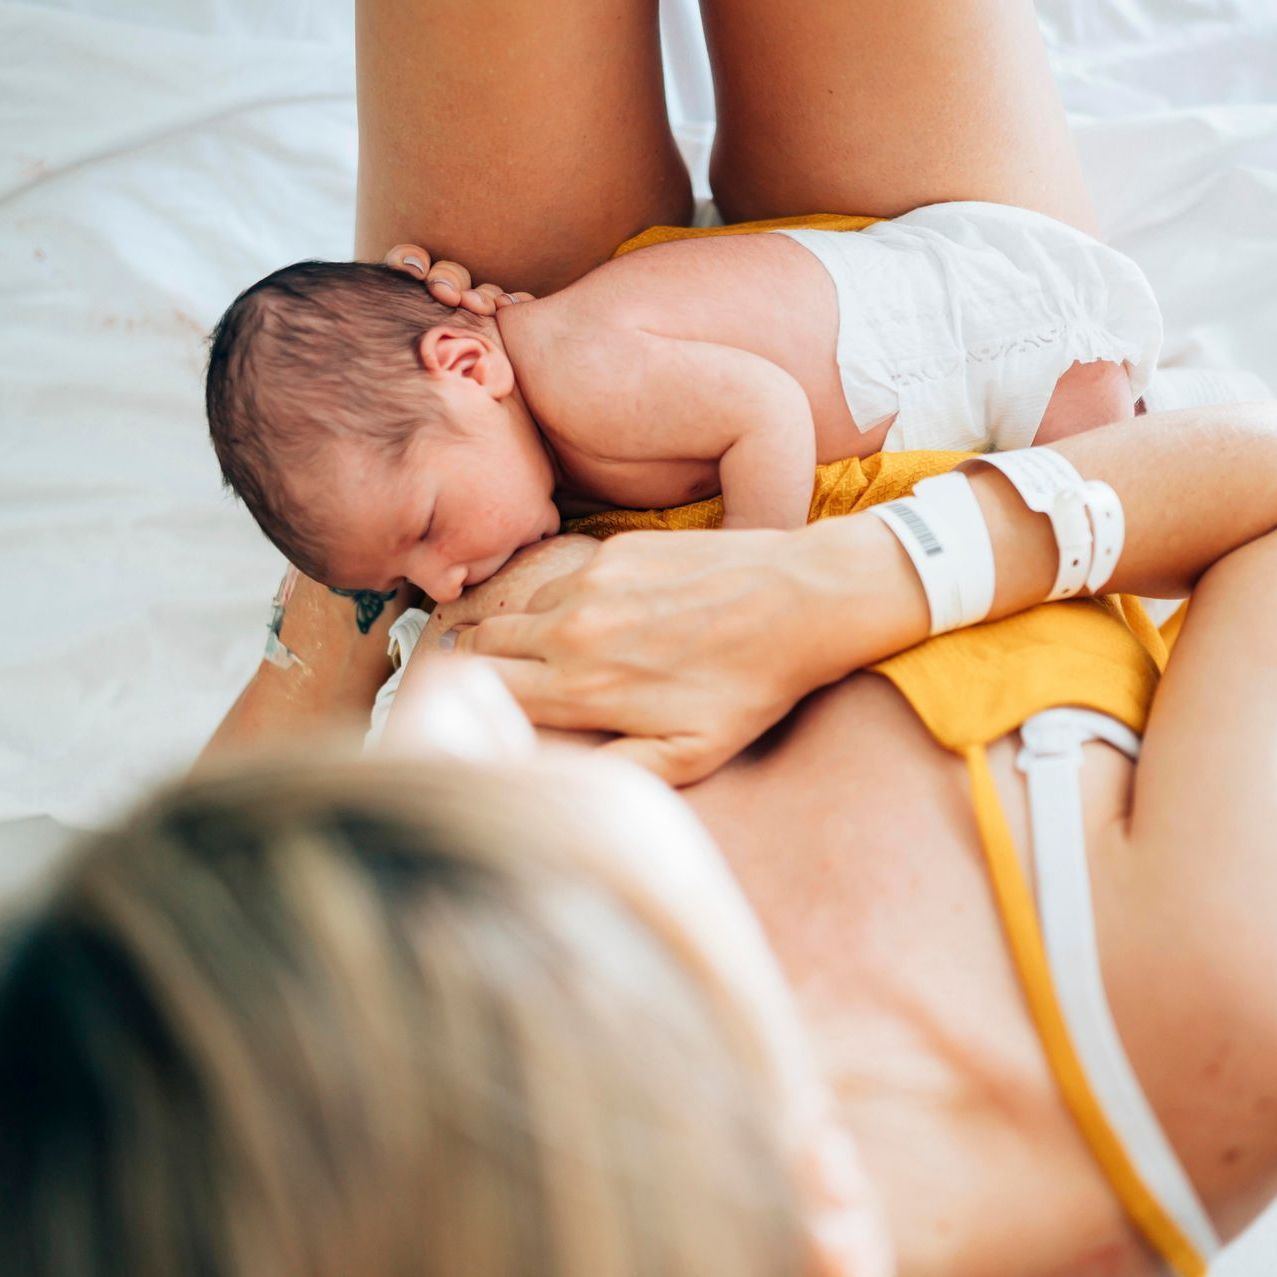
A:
(158, 155)
(152, 165)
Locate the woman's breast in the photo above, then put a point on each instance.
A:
(853, 835)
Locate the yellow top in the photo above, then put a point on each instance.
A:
(970, 688)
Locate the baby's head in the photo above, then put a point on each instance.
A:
(374, 434)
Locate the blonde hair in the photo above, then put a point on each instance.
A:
(328, 1019)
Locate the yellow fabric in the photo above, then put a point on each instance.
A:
(970, 688)
(1173, 624)
(841, 487)
(811, 221)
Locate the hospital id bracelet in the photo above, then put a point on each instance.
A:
(277, 652)
(950, 497)
(1108, 527)
(943, 532)
(1049, 484)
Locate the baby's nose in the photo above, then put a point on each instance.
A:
(446, 587)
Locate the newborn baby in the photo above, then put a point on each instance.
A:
(377, 435)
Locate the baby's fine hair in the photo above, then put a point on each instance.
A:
(314, 352)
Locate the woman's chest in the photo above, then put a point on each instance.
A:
(853, 836)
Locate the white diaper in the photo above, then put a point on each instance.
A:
(960, 319)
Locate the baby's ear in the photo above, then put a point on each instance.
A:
(447, 351)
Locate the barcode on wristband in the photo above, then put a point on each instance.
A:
(918, 526)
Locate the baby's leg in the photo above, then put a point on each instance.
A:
(1087, 395)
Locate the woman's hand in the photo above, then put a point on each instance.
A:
(691, 645)
(449, 283)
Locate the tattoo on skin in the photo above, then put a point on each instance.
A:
(369, 604)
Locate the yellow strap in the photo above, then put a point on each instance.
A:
(1173, 624)
(1020, 923)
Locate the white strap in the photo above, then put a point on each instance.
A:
(1051, 760)
(950, 496)
(1049, 484)
(1108, 527)
(942, 530)
(1039, 475)
(923, 543)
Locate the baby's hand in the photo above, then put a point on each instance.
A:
(449, 283)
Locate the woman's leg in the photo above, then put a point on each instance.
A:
(879, 106)
(526, 139)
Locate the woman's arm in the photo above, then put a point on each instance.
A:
(691, 646)
(342, 664)
(1198, 998)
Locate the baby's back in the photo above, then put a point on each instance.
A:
(951, 326)
(761, 293)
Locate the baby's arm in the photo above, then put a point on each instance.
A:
(645, 397)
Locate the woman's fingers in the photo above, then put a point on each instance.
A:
(515, 636)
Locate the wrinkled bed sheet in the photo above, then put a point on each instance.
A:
(158, 155)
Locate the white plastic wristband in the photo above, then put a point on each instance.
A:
(1049, 484)
(1108, 525)
(950, 496)
(943, 532)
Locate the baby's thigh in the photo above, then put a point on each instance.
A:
(1088, 395)
(527, 153)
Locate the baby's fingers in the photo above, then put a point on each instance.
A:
(481, 300)
(412, 259)
(448, 283)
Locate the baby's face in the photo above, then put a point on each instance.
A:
(447, 515)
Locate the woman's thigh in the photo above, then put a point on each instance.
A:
(525, 138)
(879, 106)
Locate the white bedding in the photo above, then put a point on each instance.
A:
(152, 165)
(158, 155)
